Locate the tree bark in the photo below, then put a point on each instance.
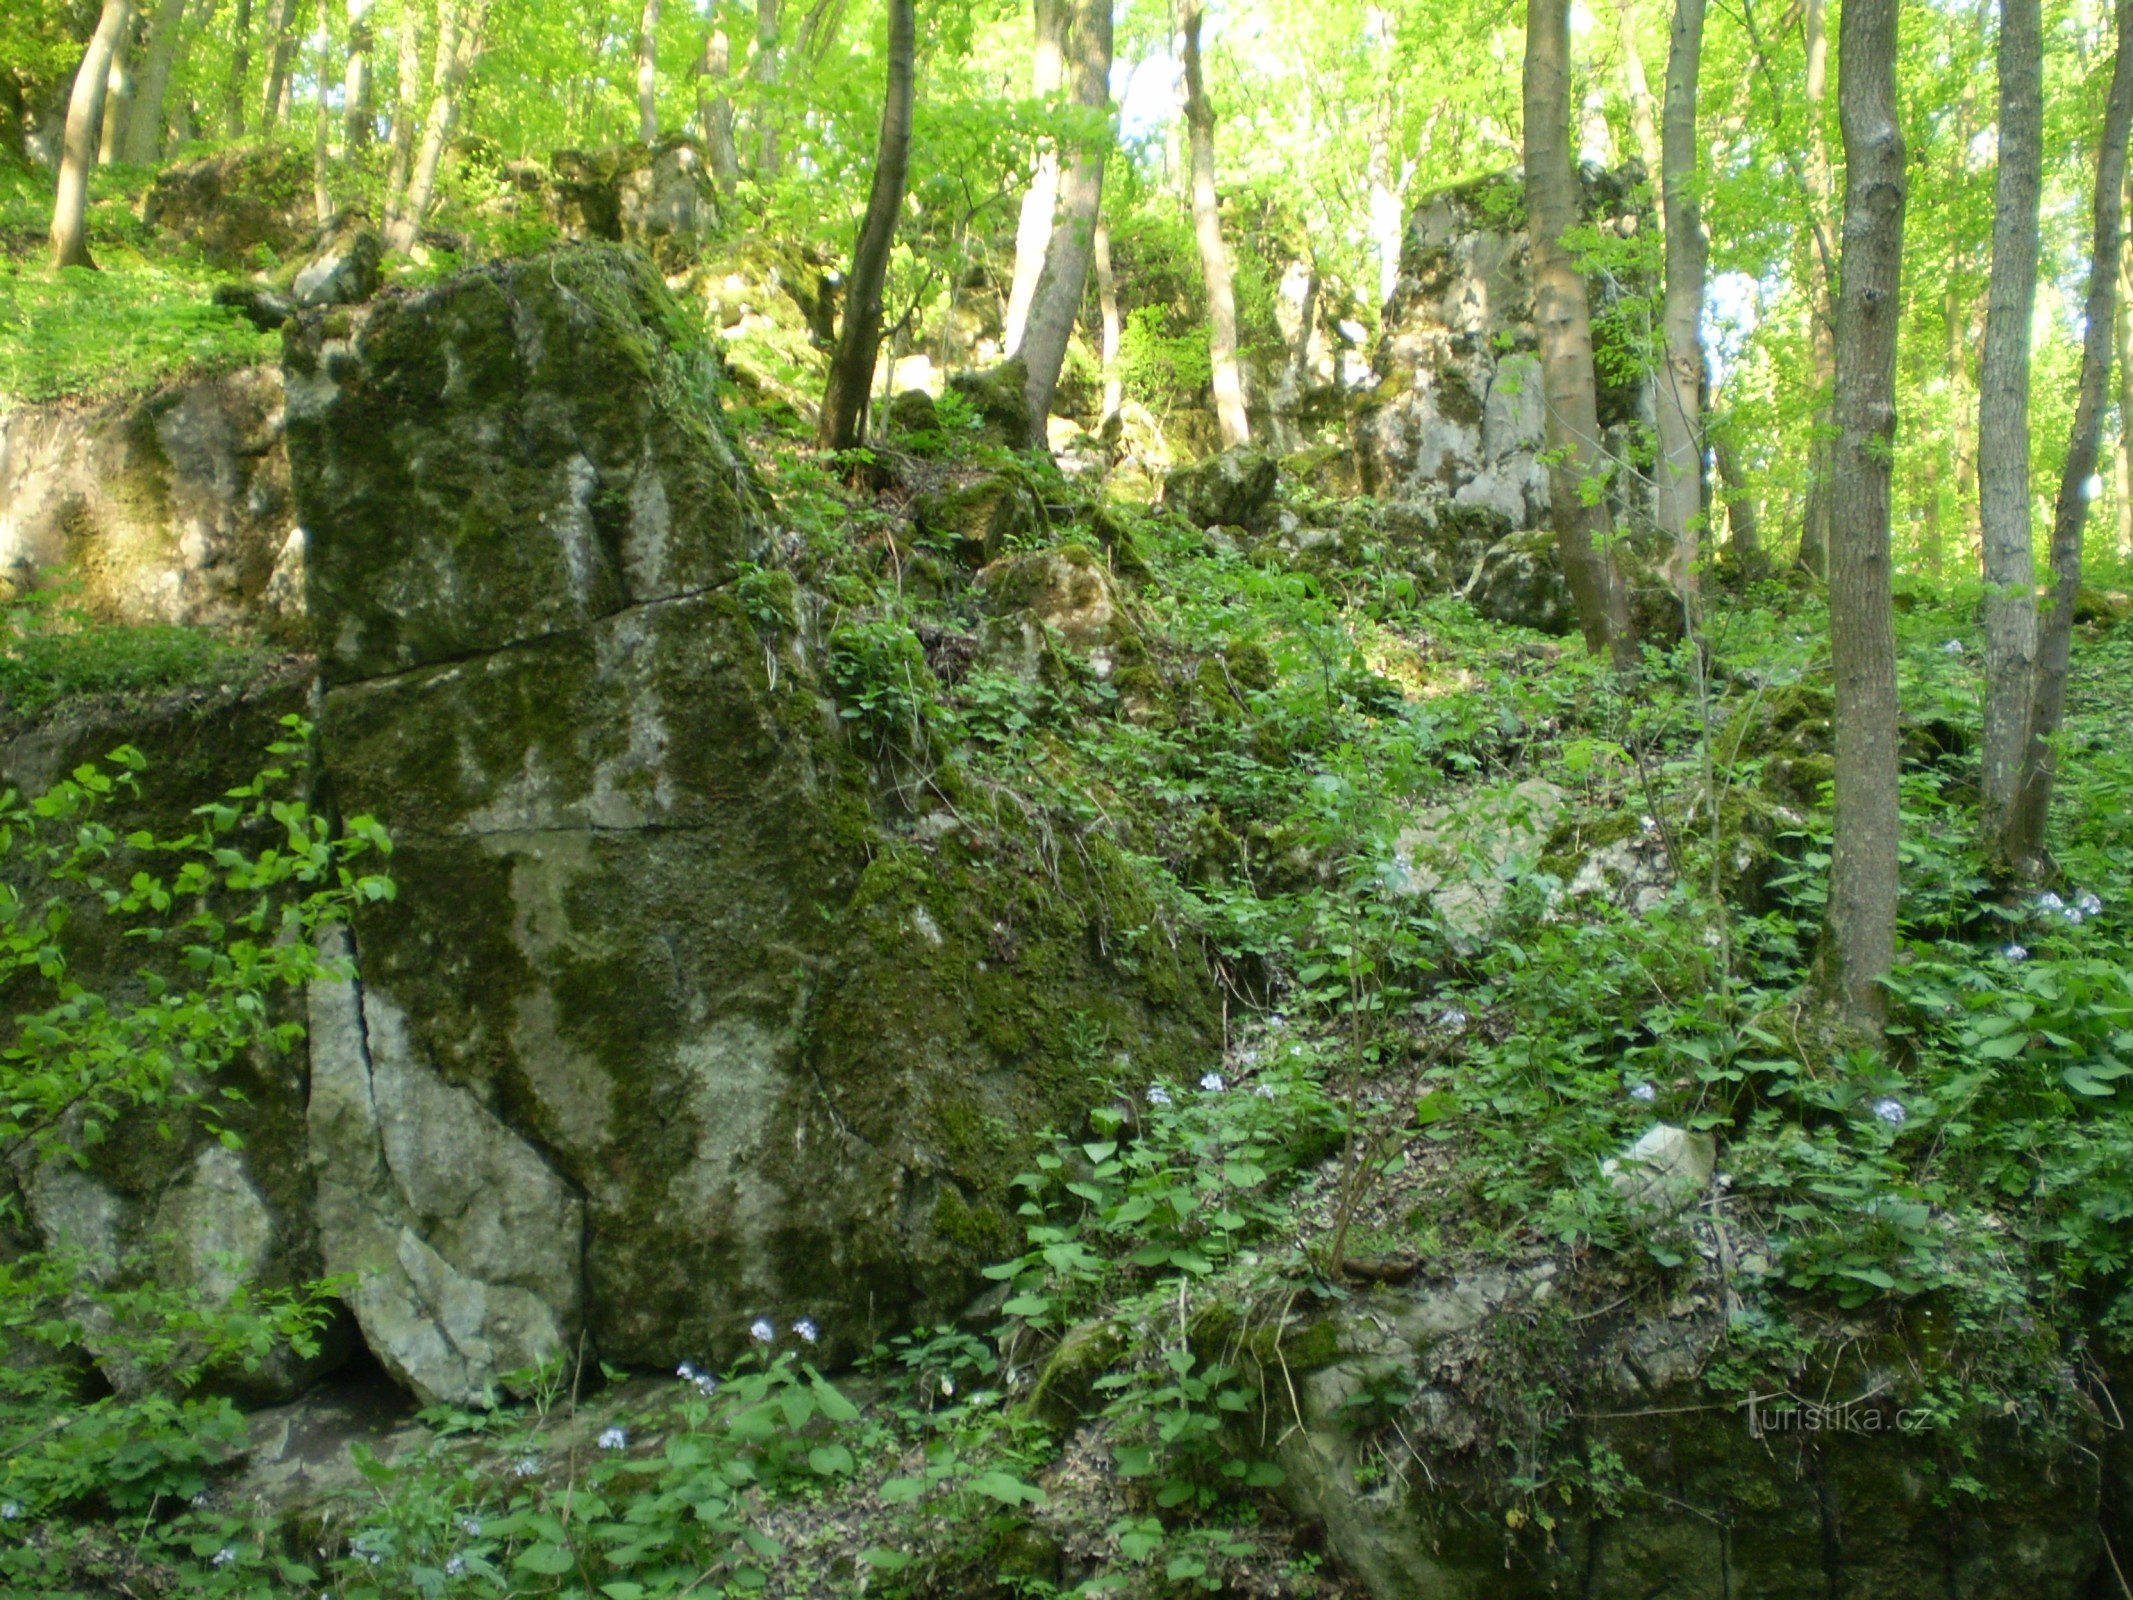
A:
(767, 158)
(1743, 536)
(1207, 231)
(648, 73)
(85, 123)
(321, 149)
(118, 96)
(358, 97)
(1643, 125)
(851, 374)
(1859, 935)
(458, 43)
(714, 109)
(2124, 324)
(407, 97)
(1033, 230)
(1055, 303)
(1679, 498)
(1814, 529)
(2003, 415)
(240, 70)
(1114, 327)
(1583, 524)
(2023, 840)
(281, 44)
(144, 129)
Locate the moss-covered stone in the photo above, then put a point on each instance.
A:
(999, 395)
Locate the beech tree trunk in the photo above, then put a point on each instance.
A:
(2003, 415)
(358, 97)
(407, 100)
(714, 109)
(458, 43)
(1743, 535)
(851, 374)
(144, 128)
(1859, 935)
(85, 126)
(118, 96)
(1583, 526)
(2023, 839)
(1114, 327)
(1207, 231)
(1814, 529)
(240, 70)
(766, 76)
(1679, 497)
(1033, 231)
(648, 73)
(281, 45)
(1055, 303)
(1643, 124)
(2124, 321)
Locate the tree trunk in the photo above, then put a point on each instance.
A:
(144, 129)
(240, 70)
(1114, 328)
(85, 123)
(1642, 124)
(2023, 841)
(1583, 526)
(766, 78)
(1859, 935)
(2003, 415)
(851, 374)
(1679, 498)
(407, 97)
(648, 73)
(321, 128)
(118, 96)
(1814, 529)
(1743, 536)
(1207, 230)
(1055, 303)
(358, 97)
(281, 44)
(714, 109)
(2124, 324)
(458, 42)
(1033, 231)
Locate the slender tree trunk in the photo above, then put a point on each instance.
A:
(358, 97)
(1679, 500)
(2003, 414)
(407, 101)
(1207, 230)
(281, 45)
(1583, 526)
(767, 158)
(144, 129)
(648, 73)
(321, 145)
(458, 42)
(240, 70)
(118, 96)
(1055, 304)
(714, 109)
(1814, 530)
(851, 372)
(2023, 842)
(1743, 536)
(1859, 936)
(1114, 327)
(2124, 324)
(85, 123)
(1643, 124)
(1033, 230)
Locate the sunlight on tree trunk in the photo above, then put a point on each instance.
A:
(1033, 230)
(144, 128)
(2123, 322)
(714, 109)
(766, 80)
(85, 122)
(1113, 326)
(1859, 935)
(2003, 415)
(458, 43)
(1637, 86)
(1679, 469)
(1814, 530)
(240, 70)
(280, 46)
(648, 73)
(1207, 231)
(851, 374)
(1055, 303)
(407, 102)
(1576, 474)
(1743, 535)
(2023, 841)
(358, 97)
(118, 96)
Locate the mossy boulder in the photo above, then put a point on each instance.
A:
(658, 197)
(668, 1029)
(235, 203)
(983, 519)
(999, 395)
(1233, 489)
(1520, 581)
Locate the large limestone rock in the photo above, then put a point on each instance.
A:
(236, 203)
(1233, 489)
(664, 1032)
(174, 507)
(660, 198)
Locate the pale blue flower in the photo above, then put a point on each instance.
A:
(806, 1329)
(470, 1526)
(614, 1439)
(1643, 1093)
(227, 1555)
(526, 1466)
(763, 1331)
(456, 1567)
(2014, 952)
(2088, 903)
(1212, 1082)
(1890, 1110)
(1158, 1095)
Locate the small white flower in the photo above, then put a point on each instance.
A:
(807, 1330)
(2088, 904)
(198, 1500)
(225, 1556)
(1265, 1091)
(456, 1567)
(10, 1511)
(1643, 1093)
(1277, 1020)
(948, 1387)
(2047, 901)
(2074, 915)
(686, 1372)
(763, 1331)
(1890, 1110)
(1648, 824)
(470, 1526)
(1158, 1095)
(1212, 1082)
(2014, 952)
(1453, 1017)
(1954, 647)
(706, 1385)
(614, 1439)
(526, 1466)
